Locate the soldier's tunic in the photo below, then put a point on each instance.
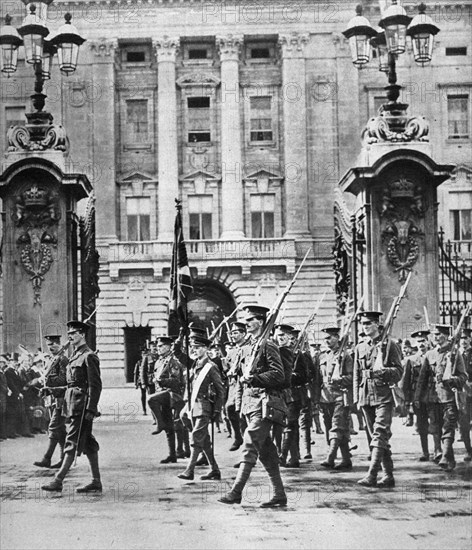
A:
(296, 398)
(336, 394)
(432, 388)
(56, 380)
(236, 360)
(465, 415)
(372, 387)
(408, 384)
(84, 386)
(169, 386)
(207, 403)
(268, 377)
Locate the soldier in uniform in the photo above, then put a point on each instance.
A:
(374, 371)
(466, 414)
(266, 378)
(54, 388)
(308, 407)
(408, 384)
(235, 358)
(169, 385)
(141, 378)
(204, 405)
(84, 386)
(336, 394)
(441, 374)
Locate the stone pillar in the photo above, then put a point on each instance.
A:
(104, 138)
(231, 163)
(294, 134)
(166, 52)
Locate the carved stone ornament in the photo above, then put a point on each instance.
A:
(103, 47)
(384, 128)
(37, 215)
(166, 48)
(54, 137)
(229, 46)
(137, 299)
(293, 44)
(401, 210)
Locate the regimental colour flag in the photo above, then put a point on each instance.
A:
(180, 278)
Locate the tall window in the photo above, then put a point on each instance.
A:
(14, 116)
(198, 119)
(462, 224)
(200, 216)
(262, 216)
(261, 118)
(458, 116)
(137, 124)
(138, 213)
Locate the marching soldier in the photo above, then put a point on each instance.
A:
(141, 380)
(265, 379)
(374, 371)
(235, 358)
(465, 415)
(54, 388)
(168, 396)
(204, 405)
(441, 374)
(409, 383)
(307, 410)
(336, 395)
(84, 386)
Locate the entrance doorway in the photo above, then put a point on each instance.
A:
(135, 340)
(209, 302)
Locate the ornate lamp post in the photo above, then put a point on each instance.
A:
(390, 42)
(39, 52)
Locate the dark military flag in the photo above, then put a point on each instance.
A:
(180, 278)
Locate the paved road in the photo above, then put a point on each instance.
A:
(144, 504)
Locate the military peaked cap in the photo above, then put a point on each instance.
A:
(443, 329)
(77, 325)
(256, 310)
(241, 327)
(370, 315)
(420, 334)
(283, 327)
(200, 341)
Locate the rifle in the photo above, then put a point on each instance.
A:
(225, 320)
(393, 312)
(448, 371)
(270, 322)
(299, 344)
(344, 339)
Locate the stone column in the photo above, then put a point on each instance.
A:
(294, 134)
(104, 138)
(231, 162)
(166, 51)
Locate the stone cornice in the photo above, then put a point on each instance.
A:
(198, 79)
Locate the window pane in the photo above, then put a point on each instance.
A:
(135, 57)
(202, 102)
(206, 226)
(206, 203)
(144, 222)
(269, 225)
(144, 205)
(268, 202)
(455, 218)
(260, 103)
(260, 53)
(256, 224)
(194, 229)
(137, 120)
(197, 137)
(466, 226)
(458, 116)
(132, 205)
(132, 228)
(193, 204)
(197, 54)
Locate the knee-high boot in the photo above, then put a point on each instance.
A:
(447, 461)
(346, 463)
(370, 480)
(387, 480)
(424, 447)
(279, 498)
(333, 449)
(306, 441)
(45, 462)
(171, 458)
(234, 496)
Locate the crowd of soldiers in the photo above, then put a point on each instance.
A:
(268, 393)
(267, 385)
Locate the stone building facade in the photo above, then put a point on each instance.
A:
(249, 112)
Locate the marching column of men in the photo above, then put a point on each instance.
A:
(267, 398)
